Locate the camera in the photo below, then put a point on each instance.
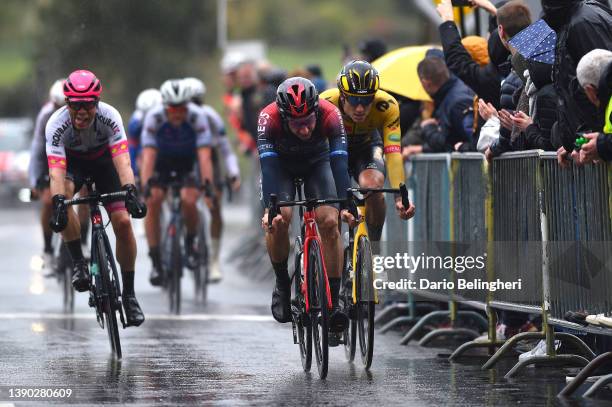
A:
(461, 3)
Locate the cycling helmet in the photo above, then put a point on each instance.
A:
(174, 92)
(147, 99)
(196, 88)
(56, 93)
(358, 78)
(82, 85)
(297, 97)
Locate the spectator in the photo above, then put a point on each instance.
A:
(372, 49)
(484, 81)
(453, 115)
(316, 76)
(594, 73)
(581, 26)
(252, 101)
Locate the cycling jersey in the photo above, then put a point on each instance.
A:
(280, 151)
(176, 142)
(220, 141)
(64, 141)
(38, 157)
(383, 118)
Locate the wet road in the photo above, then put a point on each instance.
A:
(229, 352)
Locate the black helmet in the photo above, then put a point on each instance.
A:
(358, 78)
(297, 97)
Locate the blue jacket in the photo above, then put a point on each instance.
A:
(454, 111)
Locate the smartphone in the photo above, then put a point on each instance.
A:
(461, 3)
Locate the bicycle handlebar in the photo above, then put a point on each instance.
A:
(402, 190)
(101, 199)
(275, 205)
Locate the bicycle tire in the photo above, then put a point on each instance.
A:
(201, 274)
(319, 313)
(64, 272)
(176, 265)
(304, 332)
(365, 301)
(350, 333)
(108, 310)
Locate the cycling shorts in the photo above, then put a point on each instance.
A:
(369, 157)
(101, 170)
(318, 181)
(183, 167)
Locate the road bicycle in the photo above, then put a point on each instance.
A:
(105, 288)
(358, 295)
(311, 298)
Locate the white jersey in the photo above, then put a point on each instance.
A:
(221, 142)
(105, 130)
(38, 155)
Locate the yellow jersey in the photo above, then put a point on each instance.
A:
(384, 118)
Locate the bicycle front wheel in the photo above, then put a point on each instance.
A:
(365, 301)
(176, 268)
(304, 331)
(107, 296)
(350, 333)
(319, 313)
(64, 272)
(201, 272)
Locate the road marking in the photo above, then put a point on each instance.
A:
(151, 317)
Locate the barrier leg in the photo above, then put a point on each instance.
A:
(479, 318)
(416, 329)
(557, 360)
(509, 344)
(436, 333)
(396, 322)
(603, 381)
(586, 351)
(387, 311)
(585, 373)
(474, 345)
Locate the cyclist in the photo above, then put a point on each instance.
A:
(368, 112)
(221, 147)
(38, 170)
(175, 135)
(146, 100)
(86, 138)
(300, 136)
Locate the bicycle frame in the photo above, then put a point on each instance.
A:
(311, 232)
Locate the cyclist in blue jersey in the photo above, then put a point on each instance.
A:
(146, 100)
(175, 135)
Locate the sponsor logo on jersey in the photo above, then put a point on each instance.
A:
(392, 149)
(58, 133)
(262, 122)
(395, 137)
(108, 122)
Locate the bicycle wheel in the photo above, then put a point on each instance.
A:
(350, 333)
(365, 301)
(317, 288)
(107, 295)
(176, 266)
(64, 272)
(298, 305)
(201, 273)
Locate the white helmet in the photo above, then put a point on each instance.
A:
(174, 92)
(56, 93)
(196, 87)
(147, 99)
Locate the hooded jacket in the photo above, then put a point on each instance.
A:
(581, 26)
(604, 91)
(542, 106)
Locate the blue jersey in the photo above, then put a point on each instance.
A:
(176, 142)
(134, 129)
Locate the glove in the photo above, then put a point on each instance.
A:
(134, 206)
(59, 218)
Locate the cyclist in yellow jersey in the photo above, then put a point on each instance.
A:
(371, 120)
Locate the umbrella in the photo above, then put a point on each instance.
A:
(398, 72)
(536, 42)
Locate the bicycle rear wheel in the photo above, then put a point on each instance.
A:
(298, 306)
(365, 301)
(350, 333)
(319, 313)
(107, 295)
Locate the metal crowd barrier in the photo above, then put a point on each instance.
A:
(548, 226)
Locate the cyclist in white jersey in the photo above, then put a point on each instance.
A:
(84, 139)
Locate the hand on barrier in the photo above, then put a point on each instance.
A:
(562, 157)
(59, 218)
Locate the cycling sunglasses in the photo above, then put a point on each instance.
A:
(298, 123)
(181, 107)
(86, 104)
(359, 100)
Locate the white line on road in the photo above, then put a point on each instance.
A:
(152, 317)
